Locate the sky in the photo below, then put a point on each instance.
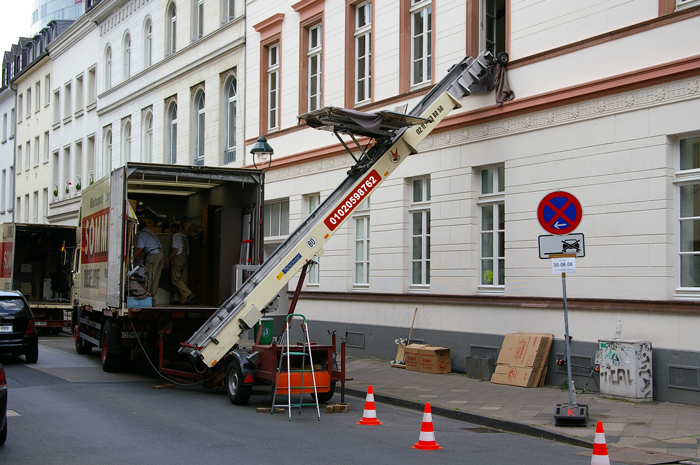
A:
(15, 20)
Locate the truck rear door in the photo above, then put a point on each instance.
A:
(116, 246)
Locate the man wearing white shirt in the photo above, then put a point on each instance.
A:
(177, 261)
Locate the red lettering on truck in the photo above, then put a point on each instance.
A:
(95, 231)
(344, 208)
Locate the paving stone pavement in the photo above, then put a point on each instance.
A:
(658, 426)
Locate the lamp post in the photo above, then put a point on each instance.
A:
(262, 160)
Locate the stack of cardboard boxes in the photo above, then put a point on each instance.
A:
(428, 359)
(523, 359)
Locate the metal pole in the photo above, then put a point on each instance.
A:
(568, 344)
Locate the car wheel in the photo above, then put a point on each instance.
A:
(324, 397)
(238, 393)
(110, 360)
(3, 433)
(33, 355)
(82, 346)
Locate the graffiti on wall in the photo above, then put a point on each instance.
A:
(625, 369)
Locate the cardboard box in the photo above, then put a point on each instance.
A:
(434, 360)
(513, 376)
(521, 349)
(412, 359)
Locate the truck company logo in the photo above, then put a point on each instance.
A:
(350, 202)
(95, 231)
(6, 249)
(394, 156)
(289, 266)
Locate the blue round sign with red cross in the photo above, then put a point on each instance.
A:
(559, 213)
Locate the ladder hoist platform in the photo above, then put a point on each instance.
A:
(393, 137)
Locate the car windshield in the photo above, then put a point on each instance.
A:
(11, 306)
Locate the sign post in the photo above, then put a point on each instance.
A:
(559, 213)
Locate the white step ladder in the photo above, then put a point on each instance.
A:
(304, 352)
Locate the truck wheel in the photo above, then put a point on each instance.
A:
(238, 393)
(82, 346)
(3, 433)
(110, 360)
(33, 355)
(324, 397)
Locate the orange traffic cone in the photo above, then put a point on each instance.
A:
(426, 440)
(369, 417)
(600, 449)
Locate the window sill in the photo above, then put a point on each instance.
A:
(3, 141)
(91, 106)
(360, 287)
(419, 289)
(491, 290)
(67, 119)
(79, 113)
(687, 294)
(56, 125)
(11, 137)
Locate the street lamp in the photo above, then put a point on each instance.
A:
(262, 160)
(262, 154)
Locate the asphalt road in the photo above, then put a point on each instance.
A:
(66, 410)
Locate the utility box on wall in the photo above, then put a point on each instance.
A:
(625, 369)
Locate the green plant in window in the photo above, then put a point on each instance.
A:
(488, 276)
(55, 192)
(78, 186)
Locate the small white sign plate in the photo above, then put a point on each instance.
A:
(557, 245)
(564, 265)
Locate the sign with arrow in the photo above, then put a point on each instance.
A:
(559, 213)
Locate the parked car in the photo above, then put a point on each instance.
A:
(3, 406)
(17, 331)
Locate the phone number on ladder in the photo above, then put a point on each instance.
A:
(352, 200)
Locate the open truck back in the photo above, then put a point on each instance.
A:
(219, 210)
(36, 260)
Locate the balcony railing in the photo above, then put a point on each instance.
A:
(55, 191)
(67, 188)
(91, 177)
(229, 155)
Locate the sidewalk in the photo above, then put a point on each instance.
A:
(655, 426)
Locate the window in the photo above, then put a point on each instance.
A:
(46, 146)
(19, 158)
(78, 93)
(273, 69)
(28, 156)
(421, 42)
(198, 119)
(688, 189)
(230, 11)
(127, 56)
(91, 94)
(230, 120)
(18, 211)
(78, 166)
(362, 243)
(198, 19)
(4, 128)
(420, 232)
(147, 137)
(315, 66)
(126, 141)
(55, 175)
(90, 159)
(108, 68)
(3, 193)
(66, 172)
(35, 207)
(20, 105)
(37, 96)
(312, 272)
(108, 151)
(171, 146)
(13, 122)
(29, 103)
(56, 107)
(45, 203)
(492, 226)
(276, 219)
(67, 101)
(171, 33)
(36, 151)
(26, 208)
(10, 185)
(47, 87)
(493, 26)
(363, 52)
(147, 41)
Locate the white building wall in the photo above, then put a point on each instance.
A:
(7, 154)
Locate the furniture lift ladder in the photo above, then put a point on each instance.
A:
(288, 354)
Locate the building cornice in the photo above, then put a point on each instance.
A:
(76, 32)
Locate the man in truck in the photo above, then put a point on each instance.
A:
(177, 260)
(148, 242)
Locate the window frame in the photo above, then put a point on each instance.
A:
(426, 35)
(365, 31)
(421, 206)
(171, 128)
(171, 31)
(126, 140)
(273, 73)
(229, 155)
(108, 67)
(362, 212)
(495, 197)
(147, 43)
(147, 127)
(267, 220)
(198, 127)
(684, 178)
(126, 65)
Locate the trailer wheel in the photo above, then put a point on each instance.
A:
(110, 360)
(82, 346)
(324, 397)
(238, 393)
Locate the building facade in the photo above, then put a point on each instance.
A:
(7, 151)
(604, 109)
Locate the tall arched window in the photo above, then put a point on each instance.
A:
(147, 41)
(171, 33)
(147, 137)
(171, 145)
(230, 120)
(127, 56)
(126, 142)
(108, 67)
(108, 151)
(198, 119)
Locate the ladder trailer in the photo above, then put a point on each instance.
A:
(392, 138)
